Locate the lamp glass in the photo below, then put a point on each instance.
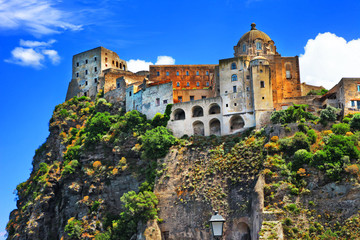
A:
(217, 228)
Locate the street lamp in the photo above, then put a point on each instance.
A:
(217, 225)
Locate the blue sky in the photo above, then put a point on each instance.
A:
(38, 39)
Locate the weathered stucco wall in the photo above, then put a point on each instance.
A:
(306, 88)
(156, 98)
(133, 100)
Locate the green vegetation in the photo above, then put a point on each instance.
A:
(317, 92)
(355, 122)
(292, 114)
(156, 142)
(328, 115)
(341, 128)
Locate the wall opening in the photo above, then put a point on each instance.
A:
(215, 128)
(179, 114)
(198, 111)
(198, 127)
(236, 123)
(214, 109)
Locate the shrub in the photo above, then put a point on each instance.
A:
(341, 128)
(311, 136)
(288, 222)
(355, 122)
(70, 167)
(162, 119)
(72, 153)
(339, 146)
(274, 139)
(278, 117)
(301, 157)
(328, 114)
(74, 228)
(141, 206)
(346, 120)
(319, 158)
(156, 142)
(97, 126)
(303, 127)
(96, 164)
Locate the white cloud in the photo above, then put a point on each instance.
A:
(53, 55)
(140, 65)
(34, 53)
(26, 57)
(165, 60)
(328, 58)
(38, 17)
(28, 43)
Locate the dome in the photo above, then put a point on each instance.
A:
(253, 34)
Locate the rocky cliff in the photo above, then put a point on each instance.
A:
(104, 174)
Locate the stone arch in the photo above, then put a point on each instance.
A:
(179, 114)
(214, 109)
(197, 111)
(236, 123)
(215, 127)
(198, 127)
(240, 231)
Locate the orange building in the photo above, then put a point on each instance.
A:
(190, 82)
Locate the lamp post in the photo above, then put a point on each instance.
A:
(217, 225)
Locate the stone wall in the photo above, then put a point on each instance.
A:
(156, 98)
(306, 88)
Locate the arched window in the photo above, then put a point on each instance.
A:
(179, 114)
(215, 127)
(234, 78)
(258, 46)
(233, 66)
(236, 122)
(214, 109)
(198, 127)
(198, 111)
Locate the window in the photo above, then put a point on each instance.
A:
(177, 73)
(178, 84)
(130, 94)
(234, 78)
(197, 73)
(86, 61)
(77, 74)
(95, 69)
(187, 73)
(95, 59)
(85, 94)
(165, 101)
(207, 73)
(227, 105)
(95, 80)
(117, 64)
(113, 62)
(263, 98)
(157, 101)
(233, 66)
(187, 84)
(247, 89)
(118, 85)
(358, 104)
(235, 104)
(261, 70)
(358, 87)
(207, 84)
(180, 98)
(258, 46)
(167, 73)
(247, 76)
(191, 98)
(234, 89)
(203, 97)
(86, 72)
(225, 92)
(77, 64)
(157, 73)
(244, 47)
(197, 84)
(106, 59)
(288, 74)
(353, 103)
(262, 84)
(86, 83)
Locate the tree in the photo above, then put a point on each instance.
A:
(156, 142)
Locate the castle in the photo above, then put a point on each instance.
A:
(238, 93)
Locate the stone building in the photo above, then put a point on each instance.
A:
(190, 82)
(344, 95)
(87, 67)
(238, 93)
